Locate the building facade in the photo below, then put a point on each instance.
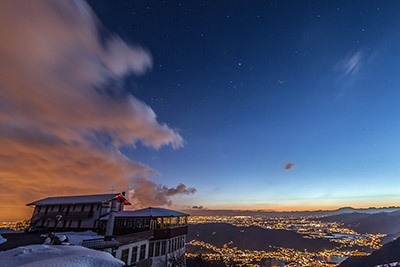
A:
(146, 237)
(75, 213)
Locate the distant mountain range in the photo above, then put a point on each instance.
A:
(344, 210)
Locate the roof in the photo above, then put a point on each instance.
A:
(148, 212)
(79, 199)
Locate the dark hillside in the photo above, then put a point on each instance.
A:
(387, 254)
(254, 238)
(384, 223)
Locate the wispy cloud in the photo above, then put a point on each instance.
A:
(57, 108)
(351, 64)
(349, 69)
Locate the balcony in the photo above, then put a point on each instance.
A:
(170, 232)
(135, 237)
(100, 243)
(79, 214)
(70, 214)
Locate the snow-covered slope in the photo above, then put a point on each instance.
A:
(57, 256)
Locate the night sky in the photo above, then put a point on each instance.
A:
(282, 105)
(254, 85)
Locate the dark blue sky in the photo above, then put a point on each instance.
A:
(254, 85)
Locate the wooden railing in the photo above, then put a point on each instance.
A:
(135, 236)
(170, 232)
(65, 214)
(100, 243)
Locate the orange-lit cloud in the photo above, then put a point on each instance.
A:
(60, 125)
(147, 193)
(289, 166)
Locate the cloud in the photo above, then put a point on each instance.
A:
(63, 111)
(351, 64)
(147, 193)
(289, 166)
(349, 69)
(197, 207)
(180, 189)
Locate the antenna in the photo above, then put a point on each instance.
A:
(112, 188)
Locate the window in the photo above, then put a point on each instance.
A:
(164, 243)
(138, 223)
(83, 207)
(146, 222)
(142, 252)
(124, 255)
(79, 223)
(70, 223)
(130, 225)
(166, 221)
(151, 250)
(134, 255)
(159, 223)
(174, 220)
(40, 207)
(157, 249)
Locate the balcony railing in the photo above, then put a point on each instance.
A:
(65, 214)
(170, 232)
(135, 236)
(100, 243)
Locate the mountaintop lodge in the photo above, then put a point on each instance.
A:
(145, 237)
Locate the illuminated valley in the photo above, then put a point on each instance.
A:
(346, 242)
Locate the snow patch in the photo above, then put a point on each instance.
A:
(6, 231)
(57, 256)
(76, 238)
(2, 240)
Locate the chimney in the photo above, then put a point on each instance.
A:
(110, 222)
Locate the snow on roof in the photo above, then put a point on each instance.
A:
(78, 199)
(76, 238)
(148, 212)
(57, 256)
